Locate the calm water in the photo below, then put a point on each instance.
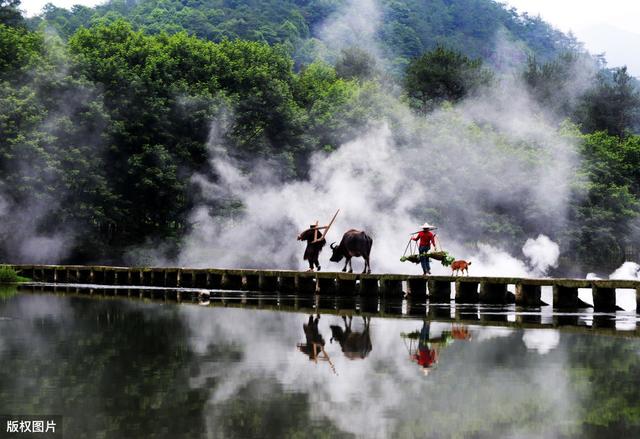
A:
(123, 368)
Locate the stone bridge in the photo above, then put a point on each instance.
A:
(438, 289)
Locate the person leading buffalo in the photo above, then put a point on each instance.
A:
(426, 239)
(315, 242)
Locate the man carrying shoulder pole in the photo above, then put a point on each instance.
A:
(315, 242)
(426, 239)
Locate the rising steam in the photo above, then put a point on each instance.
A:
(384, 187)
(497, 151)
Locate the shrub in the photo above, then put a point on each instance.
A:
(10, 276)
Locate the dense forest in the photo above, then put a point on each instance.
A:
(106, 115)
(407, 28)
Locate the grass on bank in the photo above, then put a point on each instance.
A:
(10, 276)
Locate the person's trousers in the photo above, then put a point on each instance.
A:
(424, 260)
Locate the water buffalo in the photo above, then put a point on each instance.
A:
(354, 345)
(354, 243)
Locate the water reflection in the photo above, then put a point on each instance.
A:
(314, 346)
(354, 345)
(315, 340)
(424, 348)
(119, 368)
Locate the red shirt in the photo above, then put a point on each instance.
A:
(426, 238)
(426, 357)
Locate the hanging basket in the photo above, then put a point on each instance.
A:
(411, 258)
(445, 258)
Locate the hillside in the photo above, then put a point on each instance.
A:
(403, 28)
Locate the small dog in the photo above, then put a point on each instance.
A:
(460, 267)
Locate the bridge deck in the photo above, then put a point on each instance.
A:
(489, 290)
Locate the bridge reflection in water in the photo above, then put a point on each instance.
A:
(583, 319)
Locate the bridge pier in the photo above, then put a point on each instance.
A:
(305, 283)
(268, 282)
(604, 299)
(287, 283)
(186, 278)
(122, 277)
(110, 276)
(49, 274)
(136, 277)
(391, 288)
(158, 277)
(214, 279)
(528, 295)
(72, 275)
(98, 276)
(146, 277)
(171, 278)
(85, 275)
(417, 288)
(369, 286)
(231, 281)
(346, 287)
(466, 291)
(493, 293)
(60, 275)
(439, 291)
(566, 296)
(326, 285)
(199, 279)
(36, 274)
(251, 282)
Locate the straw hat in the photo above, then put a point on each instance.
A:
(427, 226)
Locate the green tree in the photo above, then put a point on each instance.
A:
(19, 50)
(560, 84)
(612, 105)
(443, 75)
(10, 13)
(355, 63)
(606, 201)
